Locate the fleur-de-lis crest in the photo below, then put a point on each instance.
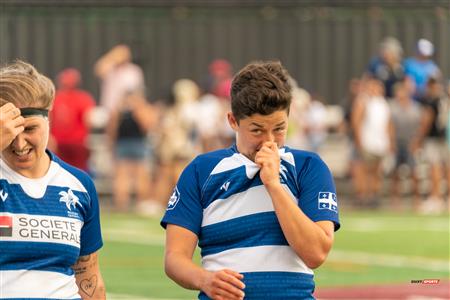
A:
(70, 199)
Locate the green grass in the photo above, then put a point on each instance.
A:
(370, 248)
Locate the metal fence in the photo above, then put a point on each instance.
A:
(322, 43)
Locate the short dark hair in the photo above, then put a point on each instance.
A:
(260, 88)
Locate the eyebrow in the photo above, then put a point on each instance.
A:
(281, 123)
(261, 126)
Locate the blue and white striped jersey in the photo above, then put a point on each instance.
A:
(45, 225)
(220, 197)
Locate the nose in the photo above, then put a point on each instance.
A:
(269, 137)
(19, 142)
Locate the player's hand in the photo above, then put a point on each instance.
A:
(11, 124)
(224, 285)
(268, 159)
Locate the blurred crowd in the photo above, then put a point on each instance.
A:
(396, 117)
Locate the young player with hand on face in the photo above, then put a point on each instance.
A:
(263, 214)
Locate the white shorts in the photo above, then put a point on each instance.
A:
(437, 151)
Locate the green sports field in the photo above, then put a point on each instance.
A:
(370, 248)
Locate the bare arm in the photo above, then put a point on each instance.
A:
(311, 241)
(392, 135)
(88, 277)
(356, 120)
(426, 121)
(145, 113)
(180, 246)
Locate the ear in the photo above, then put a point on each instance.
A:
(232, 121)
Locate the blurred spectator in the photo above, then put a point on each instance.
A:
(354, 90)
(421, 67)
(211, 123)
(118, 76)
(406, 115)
(178, 140)
(296, 135)
(387, 66)
(219, 78)
(432, 136)
(129, 125)
(373, 132)
(70, 119)
(316, 124)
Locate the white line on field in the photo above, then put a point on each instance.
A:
(389, 260)
(134, 240)
(133, 237)
(367, 225)
(336, 255)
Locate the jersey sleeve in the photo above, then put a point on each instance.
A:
(184, 207)
(317, 197)
(91, 237)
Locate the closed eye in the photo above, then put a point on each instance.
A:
(30, 128)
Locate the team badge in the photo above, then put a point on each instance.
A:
(173, 200)
(327, 200)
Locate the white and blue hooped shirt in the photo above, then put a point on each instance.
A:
(221, 198)
(46, 224)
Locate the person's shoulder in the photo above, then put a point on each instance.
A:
(213, 157)
(79, 174)
(374, 62)
(409, 62)
(300, 152)
(134, 67)
(204, 163)
(84, 93)
(305, 159)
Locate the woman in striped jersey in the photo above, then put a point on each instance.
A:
(263, 214)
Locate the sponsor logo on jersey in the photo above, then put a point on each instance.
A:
(225, 186)
(173, 200)
(6, 226)
(37, 228)
(327, 200)
(3, 195)
(70, 199)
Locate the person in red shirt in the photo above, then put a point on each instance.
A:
(69, 119)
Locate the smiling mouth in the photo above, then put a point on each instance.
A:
(22, 152)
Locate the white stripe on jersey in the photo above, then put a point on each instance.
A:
(257, 259)
(235, 161)
(37, 284)
(252, 201)
(47, 229)
(36, 187)
(251, 168)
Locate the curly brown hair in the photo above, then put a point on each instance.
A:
(261, 87)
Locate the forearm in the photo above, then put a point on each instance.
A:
(92, 288)
(89, 279)
(309, 240)
(183, 271)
